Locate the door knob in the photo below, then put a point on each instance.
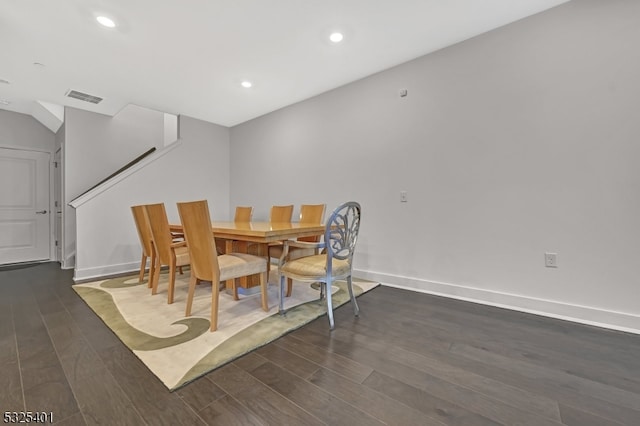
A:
(42, 212)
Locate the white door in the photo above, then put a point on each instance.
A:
(24, 206)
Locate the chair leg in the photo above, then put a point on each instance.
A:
(263, 290)
(152, 270)
(215, 294)
(234, 289)
(192, 288)
(156, 278)
(289, 286)
(281, 295)
(329, 305)
(180, 269)
(172, 282)
(356, 308)
(143, 264)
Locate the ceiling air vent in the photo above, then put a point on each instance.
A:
(83, 97)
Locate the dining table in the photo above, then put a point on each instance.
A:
(260, 235)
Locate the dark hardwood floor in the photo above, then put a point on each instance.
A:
(409, 359)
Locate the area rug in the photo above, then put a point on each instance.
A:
(179, 349)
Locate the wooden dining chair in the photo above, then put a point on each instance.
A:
(168, 252)
(146, 241)
(335, 262)
(207, 265)
(278, 214)
(281, 214)
(309, 214)
(243, 214)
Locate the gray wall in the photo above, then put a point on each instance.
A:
(195, 168)
(515, 143)
(97, 145)
(24, 132)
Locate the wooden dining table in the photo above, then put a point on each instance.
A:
(258, 233)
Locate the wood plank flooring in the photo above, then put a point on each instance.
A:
(409, 359)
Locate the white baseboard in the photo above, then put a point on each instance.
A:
(582, 314)
(105, 271)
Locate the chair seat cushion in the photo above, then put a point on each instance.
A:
(234, 265)
(315, 267)
(182, 256)
(294, 252)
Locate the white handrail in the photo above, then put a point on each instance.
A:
(77, 202)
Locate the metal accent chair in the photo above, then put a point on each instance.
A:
(207, 265)
(309, 213)
(146, 241)
(168, 252)
(335, 263)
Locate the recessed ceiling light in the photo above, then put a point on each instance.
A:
(336, 37)
(39, 65)
(3, 81)
(107, 22)
(246, 84)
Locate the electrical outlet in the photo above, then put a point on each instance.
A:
(551, 260)
(403, 196)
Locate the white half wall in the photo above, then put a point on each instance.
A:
(515, 143)
(97, 145)
(196, 168)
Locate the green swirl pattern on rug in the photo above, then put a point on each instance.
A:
(268, 330)
(102, 303)
(147, 325)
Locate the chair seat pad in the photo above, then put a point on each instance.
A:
(294, 252)
(315, 267)
(182, 256)
(234, 265)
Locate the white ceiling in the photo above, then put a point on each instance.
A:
(189, 57)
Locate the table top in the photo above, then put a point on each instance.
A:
(264, 232)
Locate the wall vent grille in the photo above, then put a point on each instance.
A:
(83, 97)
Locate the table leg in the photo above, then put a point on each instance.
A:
(228, 248)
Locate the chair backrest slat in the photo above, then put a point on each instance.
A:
(196, 223)
(144, 231)
(159, 224)
(311, 214)
(341, 233)
(243, 214)
(281, 214)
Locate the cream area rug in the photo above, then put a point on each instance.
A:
(179, 349)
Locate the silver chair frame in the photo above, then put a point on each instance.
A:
(340, 237)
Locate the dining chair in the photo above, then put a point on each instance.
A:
(335, 263)
(278, 214)
(281, 214)
(309, 214)
(243, 214)
(168, 252)
(146, 241)
(207, 265)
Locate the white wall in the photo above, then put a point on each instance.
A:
(22, 131)
(95, 146)
(196, 168)
(512, 144)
